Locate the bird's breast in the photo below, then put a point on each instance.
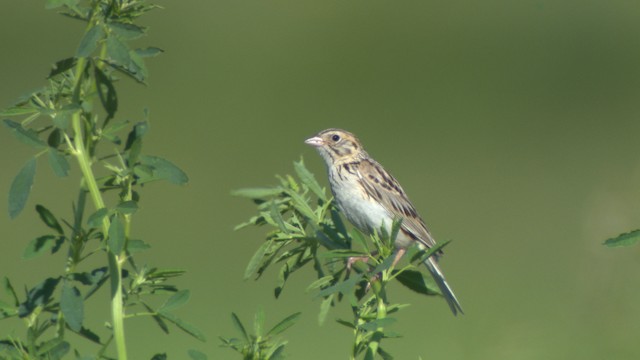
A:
(359, 208)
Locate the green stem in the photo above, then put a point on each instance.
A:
(381, 313)
(115, 260)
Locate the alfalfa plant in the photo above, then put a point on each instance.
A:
(73, 122)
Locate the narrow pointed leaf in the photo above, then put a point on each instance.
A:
(256, 260)
(238, 324)
(106, 92)
(257, 193)
(258, 323)
(176, 300)
(325, 306)
(47, 217)
(308, 179)
(21, 187)
(183, 325)
(197, 355)
(283, 325)
(8, 288)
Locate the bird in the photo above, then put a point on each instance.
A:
(371, 199)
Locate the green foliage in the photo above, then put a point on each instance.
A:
(626, 239)
(260, 345)
(71, 120)
(307, 229)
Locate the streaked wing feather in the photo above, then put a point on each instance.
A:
(381, 186)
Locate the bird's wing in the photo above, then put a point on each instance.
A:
(381, 186)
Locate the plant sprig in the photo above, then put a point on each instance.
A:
(73, 120)
(307, 229)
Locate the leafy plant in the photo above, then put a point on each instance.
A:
(73, 120)
(626, 239)
(261, 345)
(307, 229)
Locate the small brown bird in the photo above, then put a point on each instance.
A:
(371, 198)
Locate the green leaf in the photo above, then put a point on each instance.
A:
(164, 170)
(238, 324)
(137, 67)
(625, 239)
(89, 41)
(21, 187)
(61, 66)
(156, 318)
(149, 51)
(325, 280)
(345, 323)
(283, 325)
(95, 220)
(72, 306)
(47, 217)
(127, 207)
(136, 245)
(342, 253)
(58, 163)
(258, 322)
(8, 288)
(257, 193)
(325, 306)
(52, 4)
(184, 326)
(126, 31)
(116, 239)
(374, 324)
(38, 246)
(344, 287)
(308, 179)
(175, 301)
(414, 280)
(89, 335)
(106, 92)
(256, 260)
(54, 349)
(197, 355)
(118, 52)
(39, 295)
(277, 217)
(162, 356)
(25, 136)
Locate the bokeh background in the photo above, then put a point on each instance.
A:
(513, 125)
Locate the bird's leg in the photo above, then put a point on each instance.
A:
(399, 254)
(353, 259)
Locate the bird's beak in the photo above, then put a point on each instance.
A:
(314, 141)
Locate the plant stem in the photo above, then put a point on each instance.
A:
(115, 260)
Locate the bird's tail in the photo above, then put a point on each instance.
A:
(447, 293)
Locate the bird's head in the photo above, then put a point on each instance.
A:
(337, 146)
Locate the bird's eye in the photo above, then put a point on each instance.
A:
(335, 138)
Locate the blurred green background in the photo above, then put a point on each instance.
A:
(513, 125)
